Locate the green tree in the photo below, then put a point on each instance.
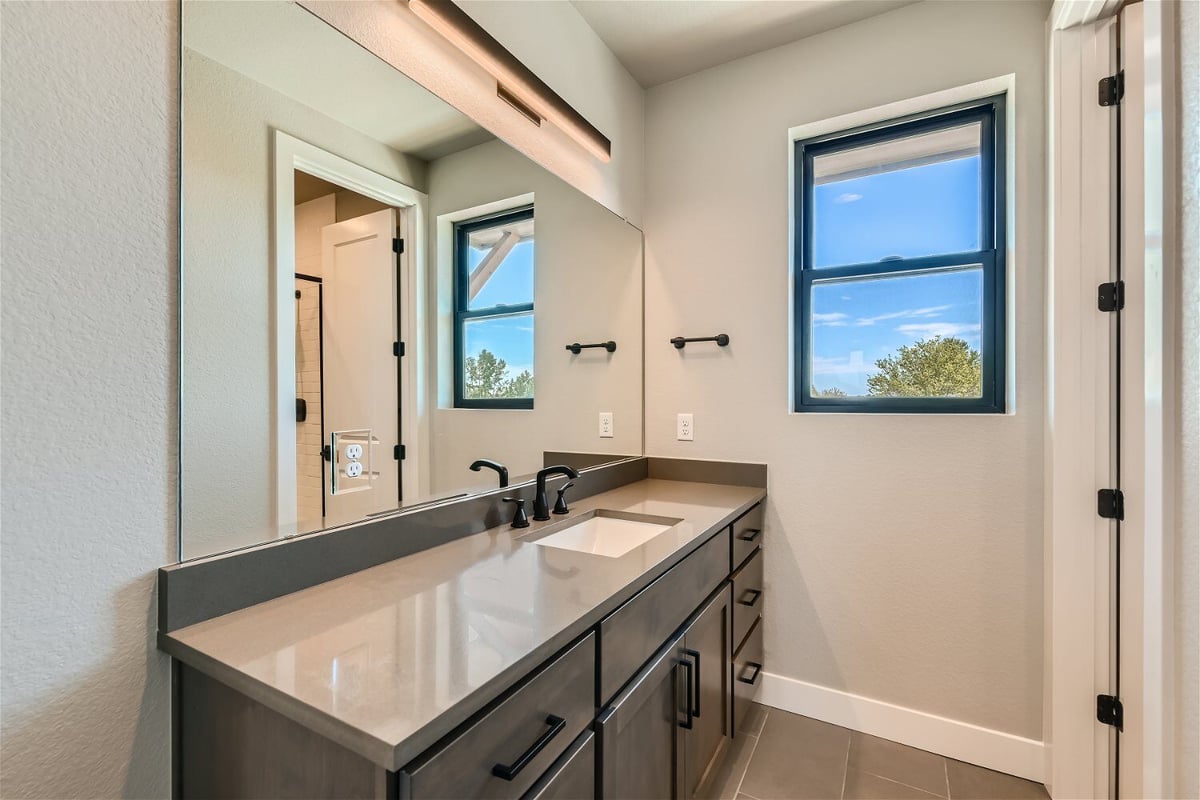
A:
(486, 376)
(832, 391)
(937, 367)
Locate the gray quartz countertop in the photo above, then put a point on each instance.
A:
(388, 660)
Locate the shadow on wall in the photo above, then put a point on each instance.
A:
(75, 724)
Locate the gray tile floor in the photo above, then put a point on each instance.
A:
(782, 756)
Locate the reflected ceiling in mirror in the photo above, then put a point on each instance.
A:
(377, 293)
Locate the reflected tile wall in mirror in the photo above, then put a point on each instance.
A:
(305, 158)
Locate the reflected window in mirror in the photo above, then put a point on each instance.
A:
(494, 260)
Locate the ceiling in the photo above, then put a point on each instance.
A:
(661, 40)
(285, 48)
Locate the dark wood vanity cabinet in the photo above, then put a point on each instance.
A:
(643, 705)
(661, 736)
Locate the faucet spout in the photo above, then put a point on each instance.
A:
(501, 470)
(541, 506)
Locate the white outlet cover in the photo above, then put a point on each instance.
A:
(354, 451)
(354, 469)
(606, 424)
(685, 430)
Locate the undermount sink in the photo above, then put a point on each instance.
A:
(606, 533)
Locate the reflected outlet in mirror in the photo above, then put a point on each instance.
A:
(611, 534)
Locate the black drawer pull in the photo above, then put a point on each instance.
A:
(513, 770)
(696, 694)
(753, 679)
(687, 691)
(750, 534)
(750, 597)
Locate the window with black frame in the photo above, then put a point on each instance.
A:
(899, 265)
(493, 311)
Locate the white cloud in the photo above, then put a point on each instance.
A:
(939, 328)
(833, 320)
(908, 313)
(847, 197)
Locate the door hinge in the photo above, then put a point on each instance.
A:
(1110, 296)
(398, 349)
(1110, 504)
(398, 452)
(1111, 89)
(397, 245)
(1110, 711)
(327, 453)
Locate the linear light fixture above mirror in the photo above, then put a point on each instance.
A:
(515, 83)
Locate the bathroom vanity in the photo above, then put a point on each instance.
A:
(491, 665)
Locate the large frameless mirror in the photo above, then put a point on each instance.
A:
(380, 298)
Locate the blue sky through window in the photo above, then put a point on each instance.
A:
(509, 338)
(911, 212)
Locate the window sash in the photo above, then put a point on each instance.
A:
(990, 114)
(463, 312)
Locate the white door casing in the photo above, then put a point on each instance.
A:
(291, 154)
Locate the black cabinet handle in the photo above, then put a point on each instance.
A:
(508, 772)
(696, 694)
(753, 679)
(687, 665)
(750, 597)
(750, 534)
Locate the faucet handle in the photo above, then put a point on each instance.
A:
(560, 505)
(520, 520)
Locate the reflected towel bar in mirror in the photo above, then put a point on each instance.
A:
(721, 339)
(578, 348)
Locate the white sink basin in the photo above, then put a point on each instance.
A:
(607, 533)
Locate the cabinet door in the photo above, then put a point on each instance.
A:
(639, 732)
(706, 644)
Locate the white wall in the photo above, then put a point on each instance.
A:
(1187, 516)
(227, 331)
(587, 288)
(906, 551)
(89, 257)
(554, 40)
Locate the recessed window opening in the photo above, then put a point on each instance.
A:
(494, 317)
(899, 261)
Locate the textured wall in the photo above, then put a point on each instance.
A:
(906, 550)
(1187, 556)
(89, 352)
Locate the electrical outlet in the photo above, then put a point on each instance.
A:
(606, 424)
(684, 430)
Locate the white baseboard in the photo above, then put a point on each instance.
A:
(963, 741)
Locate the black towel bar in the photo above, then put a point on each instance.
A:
(721, 339)
(578, 348)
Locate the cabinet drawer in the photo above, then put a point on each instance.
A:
(747, 535)
(502, 753)
(747, 672)
(630, 635)
(747, 597)
(572, 777)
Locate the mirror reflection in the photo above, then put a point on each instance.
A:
(383, 304)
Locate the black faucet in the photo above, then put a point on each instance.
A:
(500, 468)
(541, 507)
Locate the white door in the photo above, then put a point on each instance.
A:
(361, 385)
